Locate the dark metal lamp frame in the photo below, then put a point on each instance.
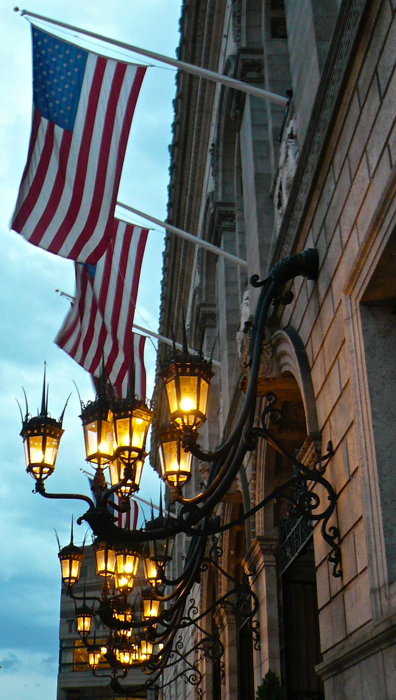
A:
(195, 517)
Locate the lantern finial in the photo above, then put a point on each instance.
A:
(44, 396)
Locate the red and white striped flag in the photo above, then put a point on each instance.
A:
(83, 106)
(101, 318)
(125, 520)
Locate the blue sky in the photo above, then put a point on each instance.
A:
(32, 313)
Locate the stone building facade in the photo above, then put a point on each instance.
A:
(262, 185)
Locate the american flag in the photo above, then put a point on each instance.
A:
(125, 521)
(101, 318)
(83, 106)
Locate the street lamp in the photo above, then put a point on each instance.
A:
(71, 558)
(118, 550)
(84, 616)
(127, 562)
(187, 378)
(119, 471)
(97, 423)
(150, 605)
(174, 460)
(41, 436)
(132, 420)
(105, 558)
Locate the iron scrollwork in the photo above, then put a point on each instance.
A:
(298, 491)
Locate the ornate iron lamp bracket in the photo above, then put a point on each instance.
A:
(305, 501)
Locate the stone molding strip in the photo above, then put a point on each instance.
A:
(334, 75)
(352, 651)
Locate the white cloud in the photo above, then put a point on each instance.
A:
(27, 674)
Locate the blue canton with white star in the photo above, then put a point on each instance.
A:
(58, 74)
(91, 269)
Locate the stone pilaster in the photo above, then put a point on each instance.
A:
(260, 559)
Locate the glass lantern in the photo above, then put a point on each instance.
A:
(132, 420)
(84, 617)
(105, 559)
(126, 654)
(41, 437)
(97, 423)
(117, 474)
(94, 654)
(187, 378)
(146, 650)
(124, 614)
(175, 462)
(158, 649)
(71, 558)
(150, 606)
(152, 573)
(160, 550)
(127, 562)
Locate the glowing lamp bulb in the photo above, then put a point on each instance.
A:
(186, 405)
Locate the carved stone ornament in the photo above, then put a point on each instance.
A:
(243, 337)
(337, 67)
(237, 21)
(288, 158)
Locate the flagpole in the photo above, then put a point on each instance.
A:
(167, 341)
(187, 236)
(146, 331)
(181, 65)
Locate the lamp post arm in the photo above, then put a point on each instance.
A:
(40, 488)
(190, 571)
(113, 489)
(70, 594)
(221, 469)
(228, 476)
(264, 303)
(305, 264)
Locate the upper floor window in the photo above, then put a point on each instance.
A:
(277, 20)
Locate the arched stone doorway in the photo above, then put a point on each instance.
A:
(282, 552)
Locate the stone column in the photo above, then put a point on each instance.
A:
(226, 622)
(261, 559)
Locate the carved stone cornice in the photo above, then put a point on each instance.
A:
(249, 67)
(336, 72)
(207, 315)
(223, 218)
